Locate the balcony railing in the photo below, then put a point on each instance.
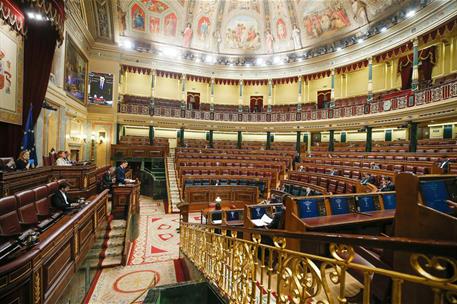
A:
(252, 272)
(401, 100)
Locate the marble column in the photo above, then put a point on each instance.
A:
(300, 90)
(270, 94)
(370, 80)
(183, 91)
(240, 99)
(369, 140)
(415, 78)
(331, 142)
(211, 105)
(332, 92)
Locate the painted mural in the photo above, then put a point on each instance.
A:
(75, 72)
(242, 33)
(137, 18)
(11, 72)
(247, 26)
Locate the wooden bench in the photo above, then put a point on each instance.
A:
(333, 184)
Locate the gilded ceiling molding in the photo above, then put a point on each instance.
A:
(12, 15)
(54, 10)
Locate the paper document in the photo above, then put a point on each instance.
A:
(217, 222)
(263, 221)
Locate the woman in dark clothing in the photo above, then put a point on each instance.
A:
(24, 162)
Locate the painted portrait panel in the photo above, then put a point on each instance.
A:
(242, 33)
(203, 28)
(170, 25)
(137, 16)
(154, 25)
(281, 29)
(75, 71)
(11, 69)
(100, 89)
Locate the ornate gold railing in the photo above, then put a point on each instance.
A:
(252, 272)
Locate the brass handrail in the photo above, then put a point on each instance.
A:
(252, 272)
(446, 248)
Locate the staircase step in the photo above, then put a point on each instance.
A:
(112, 261)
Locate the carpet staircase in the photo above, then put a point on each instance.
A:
(108, 247)
(175, 197)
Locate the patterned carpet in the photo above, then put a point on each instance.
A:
(152, 255)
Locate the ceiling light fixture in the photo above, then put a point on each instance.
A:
(210, 59)
(338, 49)
(277, 60)
(360, 40)
(383, 29)
(410, 13)
(127, 44)
(260, 61)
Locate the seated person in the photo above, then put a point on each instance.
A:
(374, 166)
(301, 169)
(217, 216)
(108, 178)
(60, 200)
(24, 162)
(368, 179)
(278, 219)
(387, 185)
(67, 158)
(309, 192)
(332, 172)
(61, 159)
(453, 207)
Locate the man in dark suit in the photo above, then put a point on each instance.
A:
(368, 179)
(278, 219)
(120, 172)
(108, 178)
(387, 185)
(60, 200)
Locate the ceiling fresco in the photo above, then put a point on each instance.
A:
(248, 26)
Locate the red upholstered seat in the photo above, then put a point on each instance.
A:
(422, 170)
(26, 208)
(323, 182)
(9, 220)
(398, 168)
(350, 188)
(42, 201)
(313, 180)
(409, 169)
(355, 174)
(341, 187)
(332, 186)
(347, 173)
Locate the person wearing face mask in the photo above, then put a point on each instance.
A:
(60, 200)
(24, 162)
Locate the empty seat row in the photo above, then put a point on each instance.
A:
(332, 185)
(26, 209)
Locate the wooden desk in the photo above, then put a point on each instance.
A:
(123, 197)
(199, 197)
(41, 273)
(341, 221)
(82, 179)
(16, 181)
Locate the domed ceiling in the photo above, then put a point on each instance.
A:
(244, 27)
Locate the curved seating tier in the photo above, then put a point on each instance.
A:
(333, 184)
